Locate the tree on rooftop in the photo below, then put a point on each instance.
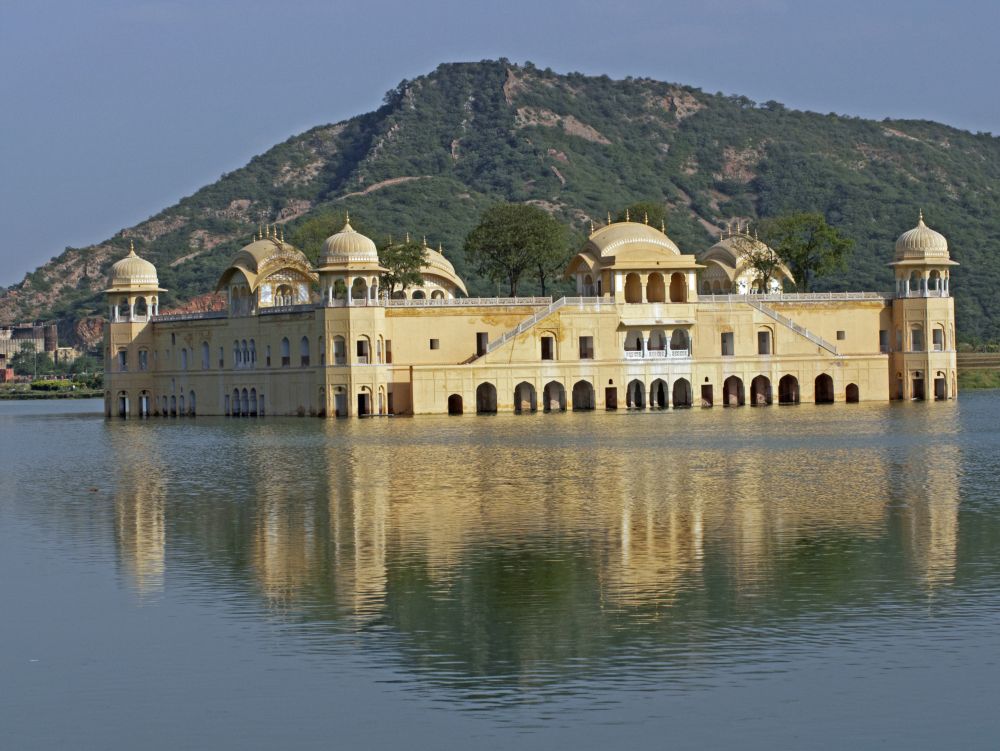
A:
(512, 239)
(807, 244)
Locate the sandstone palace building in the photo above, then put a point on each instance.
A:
(649, 328)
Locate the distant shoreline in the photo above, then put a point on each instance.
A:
(31, 395)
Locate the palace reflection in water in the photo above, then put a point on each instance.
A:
(514, 546)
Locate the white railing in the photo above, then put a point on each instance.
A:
(279, 309)
(657, 354)
(189, 316)
(925, 293)
(467, 302)
(796, 297)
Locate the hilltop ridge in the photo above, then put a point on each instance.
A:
(446, 145)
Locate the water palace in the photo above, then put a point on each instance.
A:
(650, 328)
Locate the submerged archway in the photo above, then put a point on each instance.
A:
(732, 392)
(554, 397)
(486, 399)
(524, 398)
(583, 395)
(760, 391)
(788, 390)
(824, 389)
(682, 393)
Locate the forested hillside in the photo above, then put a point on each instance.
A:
(445, 146)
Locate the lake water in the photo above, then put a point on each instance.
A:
(785, 577)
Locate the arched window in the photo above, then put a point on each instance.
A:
(418, 294)
(253, 402)
(286, 353)
(236, 353)
(917, 338)
(245, 354)
(191, 409)
(253, 354)
(304, 352)
(524, 398)
(184, 358)
(140, 308)
(204, 356)
(339, 351)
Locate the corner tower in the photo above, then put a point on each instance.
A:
(923, 361)
(133, 296)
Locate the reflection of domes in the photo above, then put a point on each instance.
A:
(133, 271)
(921, 242)
(348, 246)
(612, 239)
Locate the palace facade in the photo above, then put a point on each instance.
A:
(650, 328)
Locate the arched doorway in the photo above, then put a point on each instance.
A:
(658, 394)
(678, 287)
(682, 393)
(486, 399)
(824, 389)
(655, 288)
(732, 392)
(253, 402)
(455, 404)
(788, 390)
(680, 342)
(852, 395)
(760, 391)
(635, 395)
(554, 397)
(524, 398)
(633, 288)
(583, 396)
(191, 405)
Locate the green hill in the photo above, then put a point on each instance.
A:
(445, 146)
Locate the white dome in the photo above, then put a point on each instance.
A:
(348, 246)
(921, 242)
(132, 272)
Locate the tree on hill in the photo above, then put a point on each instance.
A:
(403, 261)
(807, 244)
(512, 239)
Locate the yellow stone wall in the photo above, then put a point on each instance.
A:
(420, 379)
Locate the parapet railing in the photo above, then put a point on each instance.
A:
(163, 317)
(796, 297)
(466, 302)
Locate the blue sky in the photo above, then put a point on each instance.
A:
(111, 110)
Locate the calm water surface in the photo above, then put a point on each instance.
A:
(794, 577)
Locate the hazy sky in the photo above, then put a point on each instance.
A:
(111, 110)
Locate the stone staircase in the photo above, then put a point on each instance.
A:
(790, 324)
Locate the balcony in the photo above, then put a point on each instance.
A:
(658, 354)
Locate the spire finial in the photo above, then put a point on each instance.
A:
(591, 226)
(260, 232)
(347, 218)
(407, 238)
(425, 241)
(663, 226)
(131, 247)
(609, 217)
(921, 216)
(627, 218)
(645, 217)
(440, 248)
(282, 233)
